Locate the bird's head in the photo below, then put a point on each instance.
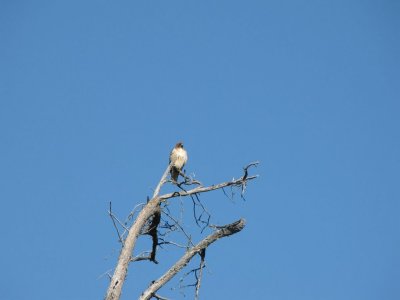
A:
(179, 145)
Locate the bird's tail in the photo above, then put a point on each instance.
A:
(174, 174)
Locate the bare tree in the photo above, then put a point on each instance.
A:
(149, 221)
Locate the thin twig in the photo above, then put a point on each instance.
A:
(196, 202)
(106, 273)
(115, 225)
(145, 255)
(198, 278)
(132, 213)
(159, 297)
(245, 169)
(179, 226)
(171, 243)
(130, 216)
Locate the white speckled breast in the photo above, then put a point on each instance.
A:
(179, 158)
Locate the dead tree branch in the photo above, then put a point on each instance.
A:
(118, 279)
(202, 189)
(152, 209)
(153, 233)
(160, 297)
(200, 276)
(183, 261)
(145, 255)
(113, 218)
(162, 181)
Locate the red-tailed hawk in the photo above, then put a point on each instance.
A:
(177, 159)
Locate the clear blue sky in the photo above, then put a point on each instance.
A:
(94, 94)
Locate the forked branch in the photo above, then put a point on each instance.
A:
(152, 208)
(223, 231)
(202, 189)
(125, 257)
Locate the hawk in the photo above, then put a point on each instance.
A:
(177, 160)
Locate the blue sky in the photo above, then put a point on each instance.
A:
(94, 94)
